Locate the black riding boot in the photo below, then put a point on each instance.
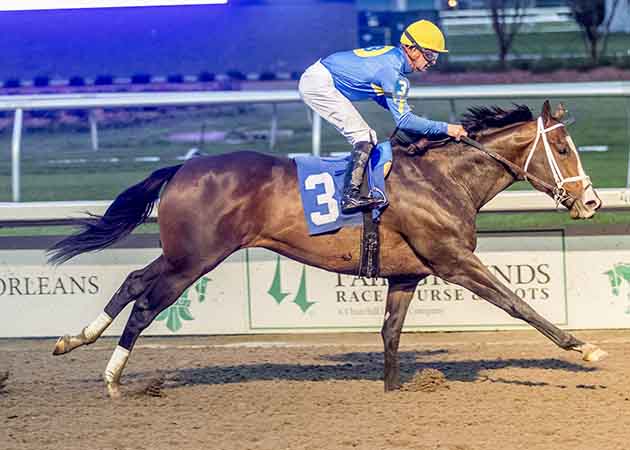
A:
(352, 200)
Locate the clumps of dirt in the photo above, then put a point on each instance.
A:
(153, 388)
(428, 380)
(4, 378)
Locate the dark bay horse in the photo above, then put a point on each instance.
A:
(213, 206)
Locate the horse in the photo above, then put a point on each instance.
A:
(212, 206)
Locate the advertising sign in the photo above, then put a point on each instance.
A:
(284, 294)
(575, 280)
(42, 300)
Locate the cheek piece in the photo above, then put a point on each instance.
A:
(560, 193)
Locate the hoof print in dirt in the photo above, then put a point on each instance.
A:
(154, 388)
(4, 378)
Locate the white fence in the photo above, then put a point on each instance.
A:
(31, 213)
(20, 103)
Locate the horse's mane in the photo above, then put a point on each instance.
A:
(475, 121)
(479, 118)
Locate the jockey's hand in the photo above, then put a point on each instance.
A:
(456, 131)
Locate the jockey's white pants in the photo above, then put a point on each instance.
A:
(318, 91)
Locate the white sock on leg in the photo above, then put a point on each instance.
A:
(116, 364)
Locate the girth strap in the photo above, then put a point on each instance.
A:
(370, 242)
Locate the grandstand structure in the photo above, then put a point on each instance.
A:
(240, 40)
(272, 38)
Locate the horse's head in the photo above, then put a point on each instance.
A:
(553, 157)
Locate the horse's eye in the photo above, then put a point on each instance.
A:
(563, 150)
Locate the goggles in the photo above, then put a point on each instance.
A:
(429, 55)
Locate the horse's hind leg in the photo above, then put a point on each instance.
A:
(399, 296)
(133, 286)
(164, 291)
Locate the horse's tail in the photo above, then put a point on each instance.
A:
(129, 209)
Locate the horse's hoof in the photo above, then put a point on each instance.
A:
(64, 345)
(113, 390)
(592, 353)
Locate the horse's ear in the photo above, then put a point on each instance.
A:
(546, 111)
(559, 113)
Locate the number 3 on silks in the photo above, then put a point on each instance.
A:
(326, 198)
(401, 89)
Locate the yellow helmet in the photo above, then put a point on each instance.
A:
(424, 34)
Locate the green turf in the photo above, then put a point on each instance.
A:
(600, 121)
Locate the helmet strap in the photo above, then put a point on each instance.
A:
(413, 41)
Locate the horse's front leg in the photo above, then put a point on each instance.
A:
(399, 296)
(468, 271)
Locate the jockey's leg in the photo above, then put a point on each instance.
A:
(133, 286)
(318, 91)
(352, 200)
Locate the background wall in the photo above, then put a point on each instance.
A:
(576, 279)
(249, 36)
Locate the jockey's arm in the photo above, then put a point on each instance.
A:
(399, 107)
(410, 122)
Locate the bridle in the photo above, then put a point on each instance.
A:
(553, 164)
(558, 192)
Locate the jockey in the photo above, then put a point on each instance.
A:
(331, 84)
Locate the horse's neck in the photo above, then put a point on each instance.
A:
(483, 176)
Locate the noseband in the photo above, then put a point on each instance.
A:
(560, 193)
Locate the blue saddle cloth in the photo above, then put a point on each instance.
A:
(321, 188)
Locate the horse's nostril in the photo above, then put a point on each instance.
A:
(592, 204)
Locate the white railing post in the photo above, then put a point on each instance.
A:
(93, 130)
(453, 113)
(274, 127)
(16, 144)
(628, 138)
(317, 133)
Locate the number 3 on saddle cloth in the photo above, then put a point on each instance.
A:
(321, 188)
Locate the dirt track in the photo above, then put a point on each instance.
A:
(509, 390)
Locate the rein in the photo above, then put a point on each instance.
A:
(558, 191)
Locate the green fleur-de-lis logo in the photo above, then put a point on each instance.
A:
(179, 311)
(275, 290)
(619, 274)
(301, 297)
(200, 288)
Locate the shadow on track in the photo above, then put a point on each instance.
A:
(364, 366)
